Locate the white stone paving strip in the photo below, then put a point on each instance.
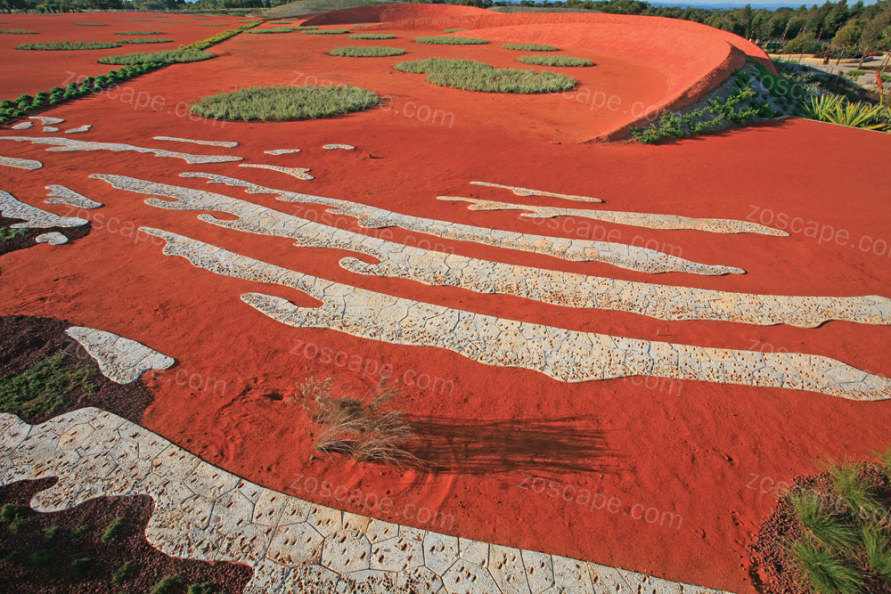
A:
(343, 147)
(68, 145)
(528, 192)
(634, 219)
(293, 545)
(564, 355)
(278, 152)
(29, 164)
(50, 129)
(22, 126)
(47, 120)
(298, 172)
(120, 359)
(577, 250)
(52, 238)
(35, 218)
(79, 129)
(483, 276)
(62, 195)
(223, 143)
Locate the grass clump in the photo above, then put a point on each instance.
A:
(165, 57)
(372, 36)
(140, 33)
(68, 45)
(352, 51)
(285, 103)
(454, 30)
(45, 387)
(8, 234)
(168, 585)
(531, 47)
(836, 109)
(272, 30)
(80, 565)
(562, 61)
(114, 528)
(18, 32)
(201, 588)
(123, 573)
(477, 76)
(360, 430)
(441, 40)
(136, 40)
(325, 31)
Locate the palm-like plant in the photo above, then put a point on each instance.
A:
(835, 109)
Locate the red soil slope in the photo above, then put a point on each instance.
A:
(32, 71)
(393, 12)
(684, 469)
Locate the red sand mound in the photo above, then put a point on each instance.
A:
(32, 71)
(394, 12)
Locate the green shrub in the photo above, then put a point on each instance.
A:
(372, 36)
(68, 45)
(140, 33)
(325, 31)
(163, 57)
(42, 557)
(530, 47)
(168, 585)
(351, 51)
(202, 588)
(272, 30)
(114, 528)
(285, 103)
(50, 532)
(80, 565)
(80, 531)
(9, 511)
(18, 32)
(855, 73)
(477, 76)
(440, 40)
(145, 40)
(562, 61)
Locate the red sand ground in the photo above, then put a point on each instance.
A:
(32, 71)
(694, 449)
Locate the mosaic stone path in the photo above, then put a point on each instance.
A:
(293, 545)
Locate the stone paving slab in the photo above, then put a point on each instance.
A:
(203, 512)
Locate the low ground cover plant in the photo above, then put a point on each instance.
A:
(91, 24)
(273, 30)
(68, 45)
(43, 388)
(140, 40)
(443, 40)
(454, 30)
(325, 31)
(477, 76)
(352, 51)
(163, 57)
(285, 103)
(562, 61)
(372, 36)
(530, 47)
(18, 32)
(140, 33)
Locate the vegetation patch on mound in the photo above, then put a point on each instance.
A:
(443, 40)
(68, 45)
(325, 31)
(352, 51)
(562, 61)
(477, 76)
(830, 532)
(137, 40)
(372, 36)
(531, 47)
(273, 30)
(285, 103)
(165, 57)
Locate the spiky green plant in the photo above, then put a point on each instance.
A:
(835, 109)
(827, 573)
(823, 526)
(849, 485)
(877, 546)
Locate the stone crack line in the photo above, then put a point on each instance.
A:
(293, 545)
